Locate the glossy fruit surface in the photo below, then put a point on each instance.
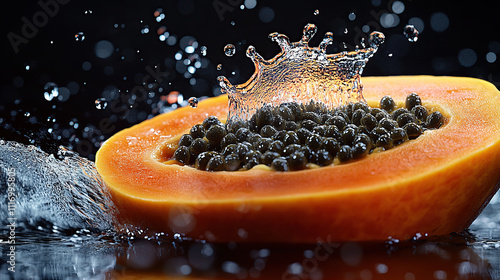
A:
(435, 184)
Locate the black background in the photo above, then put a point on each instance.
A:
(52, 54)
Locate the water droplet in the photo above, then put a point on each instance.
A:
(101, 103)
(79, 37)
(352, 16)
(203, 50)
(219, 67)
(159, 14)
(229, 50)
(411, 33)
(193, 102)
(233, 23)
(316, 12)
(376, 39)
(51, 91)
(145, 29)
(346, 30)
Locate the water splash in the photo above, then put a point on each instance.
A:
(62, 191)
(300, 73)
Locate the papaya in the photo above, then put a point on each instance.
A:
(435, 184)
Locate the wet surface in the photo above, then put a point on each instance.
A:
(48, 254)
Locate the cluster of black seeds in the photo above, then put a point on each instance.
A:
(289, 136)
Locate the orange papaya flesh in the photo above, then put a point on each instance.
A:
(433, 185)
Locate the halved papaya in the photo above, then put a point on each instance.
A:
(433, 185)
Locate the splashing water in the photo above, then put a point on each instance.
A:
(411, 33)
(63, 191)
(300, 73)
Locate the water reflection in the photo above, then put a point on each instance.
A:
(91, 256)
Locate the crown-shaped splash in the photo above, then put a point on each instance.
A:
(300, 73)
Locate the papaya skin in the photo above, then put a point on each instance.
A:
(433, 185)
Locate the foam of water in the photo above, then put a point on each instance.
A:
(300, 73)
(64, 191)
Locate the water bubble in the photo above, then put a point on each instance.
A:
(101, 103)
(467, 57)
(103, 49)
(229, 50)
(266, 14)
(203, 50)
(250, 4)
(219, 67)
(411, 33)
(145, 29)
(193, 102)
(159, 14)
(491, 57)
(398, 7)
(352, 16)
(316, 12)
(51, 91)
(79, 37)
(439, 21)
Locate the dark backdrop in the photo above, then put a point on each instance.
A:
(59, 57)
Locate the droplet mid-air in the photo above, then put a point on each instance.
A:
(229, 50)
(101, 103)
(193, 102)
(80, 36)
(203, 50)
(51, 91)
(411, 33)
